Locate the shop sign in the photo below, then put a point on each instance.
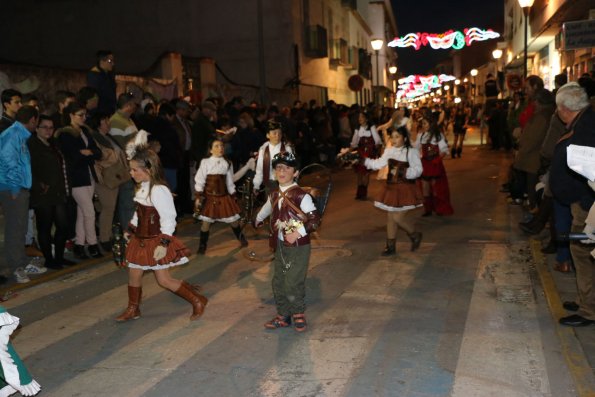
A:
(579, 34)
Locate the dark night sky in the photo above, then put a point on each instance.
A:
(438, 16)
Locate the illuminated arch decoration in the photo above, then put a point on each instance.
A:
(450, 39)
(417, 85)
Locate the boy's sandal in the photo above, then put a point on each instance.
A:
(278, 321)
(299, 322)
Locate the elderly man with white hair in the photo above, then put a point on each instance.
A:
(570, 188)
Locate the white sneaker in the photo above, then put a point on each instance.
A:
(33, 268)
(21, 276)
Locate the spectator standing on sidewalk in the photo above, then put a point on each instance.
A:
(574, 109)
(80, 153)
(15, 182)
(63, 99)
(102, 78)
(171, 152)
(11, 103)
(88, 98)
(111, 171)
(123, 130)
(527, 161)
(183, 128)
(49, 191)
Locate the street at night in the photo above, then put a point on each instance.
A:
(465, 315)
(303, 198)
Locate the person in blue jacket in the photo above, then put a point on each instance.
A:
(15, 182)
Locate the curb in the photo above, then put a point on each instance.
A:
(42, 278)
(54, 275)
(571, 349)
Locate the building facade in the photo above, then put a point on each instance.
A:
(268, 50)
(550, 50)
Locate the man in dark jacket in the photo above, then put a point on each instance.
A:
(170, 152)
(102, 78)
(572, 189)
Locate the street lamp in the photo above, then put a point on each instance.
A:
(474, 73)
(377, 46)
(393, 70)
(526, 6)
(497, 54)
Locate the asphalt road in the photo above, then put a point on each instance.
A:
(465, 315)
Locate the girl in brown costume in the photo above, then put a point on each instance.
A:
(151, 244)
(215, 195)
(367, 143)
(401, 193)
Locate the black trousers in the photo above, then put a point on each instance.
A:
(46, 217)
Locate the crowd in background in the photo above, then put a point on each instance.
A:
(74, 179)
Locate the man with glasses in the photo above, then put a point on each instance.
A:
(102, 78)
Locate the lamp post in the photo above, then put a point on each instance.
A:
(377, 46)
(497, 54)
(473, 73)
(526, 6)
(393, 70)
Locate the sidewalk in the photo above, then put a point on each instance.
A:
(9, 289)
(578, 342)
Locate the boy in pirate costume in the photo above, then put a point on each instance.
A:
(264, 174)
(293, 216)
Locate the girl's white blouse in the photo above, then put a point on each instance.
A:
(214, 166)
(400, 154)
(161, 198)
(362, 132)
(427, 137)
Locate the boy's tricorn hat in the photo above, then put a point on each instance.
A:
(286, 158)
(273, 124)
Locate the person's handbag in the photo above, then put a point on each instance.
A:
(115, 175)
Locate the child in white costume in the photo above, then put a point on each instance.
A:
(215, 195)
(402, 193)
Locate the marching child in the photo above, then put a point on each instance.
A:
(433, 146)
(151, 243)
(264, 170)
(215, 195)
(367, 142)
(401, 193)
(293, 216)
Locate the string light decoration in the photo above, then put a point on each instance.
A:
(416, 85)
(450, 39)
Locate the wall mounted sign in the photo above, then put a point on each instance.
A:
(579, 34)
